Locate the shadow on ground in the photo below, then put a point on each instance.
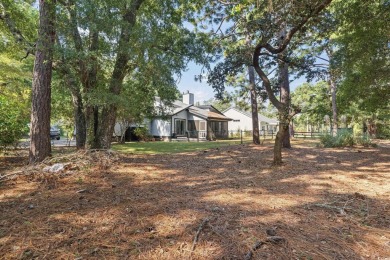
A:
(323, 203)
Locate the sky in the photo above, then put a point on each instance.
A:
(201, 90)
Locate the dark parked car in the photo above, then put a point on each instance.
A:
(54, 133)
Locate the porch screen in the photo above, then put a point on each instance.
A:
(202, 126)
(191, 125)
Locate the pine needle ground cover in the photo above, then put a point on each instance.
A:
(216, 203)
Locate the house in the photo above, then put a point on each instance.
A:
(185, 119)
(243, 121)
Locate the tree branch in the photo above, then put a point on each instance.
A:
(276, 50)
(16, 33)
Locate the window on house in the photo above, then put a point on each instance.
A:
(180, 126)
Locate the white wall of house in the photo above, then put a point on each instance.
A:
(239, 122)
(160, 127)
(165, 128)
(243, 122)
(194, 117)
(121, 126)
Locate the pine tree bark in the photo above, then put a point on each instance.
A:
(78, 112)
(284, 90)
(254, 108)
(255, 114)
(283, 130)
(285, 99)
(333, 92)
(40, 146)
(209, 133)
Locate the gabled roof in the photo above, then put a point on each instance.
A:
(206, 112)
(262, 118)
(177, 106)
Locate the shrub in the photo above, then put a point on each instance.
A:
(364, 140)
(345, 138)
(327, 141)
(383, 131)
(142, 133)
(342, 139)
(13, 122)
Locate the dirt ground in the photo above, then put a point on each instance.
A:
(224, 203)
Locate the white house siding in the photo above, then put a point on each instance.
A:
(193, 117)
(119, 127)
(243, 122)
(160, 127)
(239, 122)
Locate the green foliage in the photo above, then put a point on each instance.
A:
(345, 138)
(221, 105)
(314, 101)
(342, 139)
(142, 133)
(383, 131)
(363, 42)
(18, 20)
(364, 140)
(13, 121)
(124, 54)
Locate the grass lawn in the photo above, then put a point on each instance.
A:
(171, 147)
(179, 147)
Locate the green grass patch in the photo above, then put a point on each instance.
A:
(170, 147)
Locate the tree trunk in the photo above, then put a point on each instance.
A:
(255, 115)
(284, 88)
(40, 146)
(78, 107)
(284, 123)
(107, 121)
(78, 111)
(91, 82)
(333, 91)
(282, 45)
(209, 133)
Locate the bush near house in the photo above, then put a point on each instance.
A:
(142, 133)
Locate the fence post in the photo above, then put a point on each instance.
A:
(197, 135)
(241, 136)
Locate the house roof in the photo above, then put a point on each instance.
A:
(262, 118)
(205, 111)
(178, 106)
(206, 114)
